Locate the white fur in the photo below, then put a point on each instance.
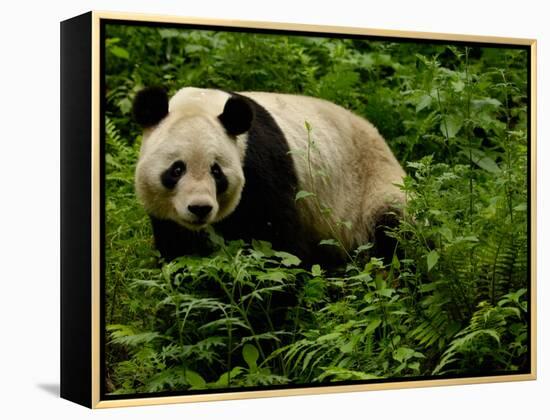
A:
(192, 133)
(190, 100)
(360, 168)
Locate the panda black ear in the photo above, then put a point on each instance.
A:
(150, 106)
(237, 116)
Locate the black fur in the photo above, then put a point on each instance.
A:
(221, 181)
(173, 240)
(200, 211)
(385, 246)
(169, 177)
(237, 115)
(150, 106)
(267, 209)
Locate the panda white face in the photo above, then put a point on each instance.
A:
(190, 169)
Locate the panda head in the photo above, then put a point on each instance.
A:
(190, 168)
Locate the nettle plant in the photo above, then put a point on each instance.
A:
(214, 320)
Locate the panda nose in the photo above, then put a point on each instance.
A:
(201, 211)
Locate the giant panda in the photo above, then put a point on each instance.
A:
(236, 161)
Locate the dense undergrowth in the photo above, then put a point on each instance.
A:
(453, 301)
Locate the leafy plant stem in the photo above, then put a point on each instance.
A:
(315, 196)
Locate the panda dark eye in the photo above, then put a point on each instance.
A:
(178, 169)
(171, 176)
(216, 171)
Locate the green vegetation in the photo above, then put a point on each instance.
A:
(452, 302)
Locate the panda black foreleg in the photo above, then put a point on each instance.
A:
(385, 245)
(173, 240)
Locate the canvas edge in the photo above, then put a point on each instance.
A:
(75, 261)
(96, 211)
(331, 389)
(348, 30)
(533, 206)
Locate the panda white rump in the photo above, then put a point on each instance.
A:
(355, 174)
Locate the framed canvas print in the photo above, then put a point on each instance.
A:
(255, 209)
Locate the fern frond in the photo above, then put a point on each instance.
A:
(504, 266)
(479, 342)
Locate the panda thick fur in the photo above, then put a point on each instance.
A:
(237, 160)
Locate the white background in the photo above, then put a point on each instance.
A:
(29, 234)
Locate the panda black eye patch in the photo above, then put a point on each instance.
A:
(219, 178)
(171, 176)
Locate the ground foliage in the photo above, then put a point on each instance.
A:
(452, 302)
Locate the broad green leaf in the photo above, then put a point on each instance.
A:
(111, 41)
(125, 105)
(395, 263)
(169, 33)
(346, 223)
(273, 275)
(224, 379)
(492, 102)
(194, 379)
(414, 366)
(425, 101)
(458, 86)
(488, 164)
(287, 259)
(347, 347)
(373, 324)
(481, 159)
(432, 259)
(470, 238)
(193, 49)
(331, 242)
(250, 356)
(402, 354)
(385, 292)
(365, 247)
(329, 337)
(316, 270)
(521, 207)
(263, 247)
(446, 233)
(450, 125)
(119, 52)
(399, 313)
(300, 195)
